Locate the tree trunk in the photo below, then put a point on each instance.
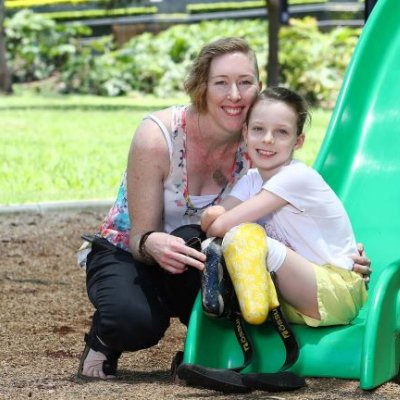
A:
(273, 9)
(5, 81)
(368, 7)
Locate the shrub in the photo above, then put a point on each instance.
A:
(312, 62)
(37, 46)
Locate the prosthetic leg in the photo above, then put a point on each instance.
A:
(245, 252)
(237, 285)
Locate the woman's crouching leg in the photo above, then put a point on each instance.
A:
(128, 297)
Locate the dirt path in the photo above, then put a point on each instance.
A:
(44, 313)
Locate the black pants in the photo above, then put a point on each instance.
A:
(134, 302)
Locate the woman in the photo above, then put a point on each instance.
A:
(182, 160)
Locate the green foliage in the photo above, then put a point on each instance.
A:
(294, 2)
(150, 63)
(224, 6)
(312, 62)
(18, 4)
(37, 46)
(84, 73)
(99, 13)
(238, 5)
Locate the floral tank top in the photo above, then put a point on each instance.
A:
(116, 226)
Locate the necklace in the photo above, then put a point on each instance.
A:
(191, 210)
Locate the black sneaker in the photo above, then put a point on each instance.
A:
(216, 285)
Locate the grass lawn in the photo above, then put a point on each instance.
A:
(75, 147)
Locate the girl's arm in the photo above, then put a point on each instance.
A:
(213, 212)
(250, 210)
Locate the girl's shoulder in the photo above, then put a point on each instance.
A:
(252, 178)
(299, 170)
(299, 176)
(253, 172)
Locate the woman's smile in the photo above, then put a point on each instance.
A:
(233, 111)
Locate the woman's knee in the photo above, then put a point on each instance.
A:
(130, 329)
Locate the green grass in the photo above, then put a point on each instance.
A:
(314, 136)
(75, 147)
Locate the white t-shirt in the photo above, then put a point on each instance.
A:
(314, 223)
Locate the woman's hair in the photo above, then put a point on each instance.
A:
(196, 82)
(290, 98)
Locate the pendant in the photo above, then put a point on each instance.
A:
(190, 211)
(219, 178)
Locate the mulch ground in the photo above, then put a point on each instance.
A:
(44, 313)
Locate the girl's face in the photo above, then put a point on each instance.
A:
(271, 136)
(231, 89)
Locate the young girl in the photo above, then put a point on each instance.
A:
(309, 239)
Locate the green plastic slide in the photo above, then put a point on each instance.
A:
(360, 159)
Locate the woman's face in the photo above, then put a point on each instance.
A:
(271, 136)
(231, 88)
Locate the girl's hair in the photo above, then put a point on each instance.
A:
(196, 82)
(290, 98)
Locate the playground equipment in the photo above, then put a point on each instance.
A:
(360, 159)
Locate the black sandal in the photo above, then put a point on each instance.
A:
(110, 364)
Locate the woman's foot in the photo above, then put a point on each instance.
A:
(97, 360)
(92, 365)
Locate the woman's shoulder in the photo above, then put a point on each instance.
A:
(169, 116)
(155, 124)
(157, 133)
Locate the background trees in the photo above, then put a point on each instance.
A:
(59, 57)
(5, 80)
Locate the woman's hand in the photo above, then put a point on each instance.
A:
(362, 264)
(171, 253)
